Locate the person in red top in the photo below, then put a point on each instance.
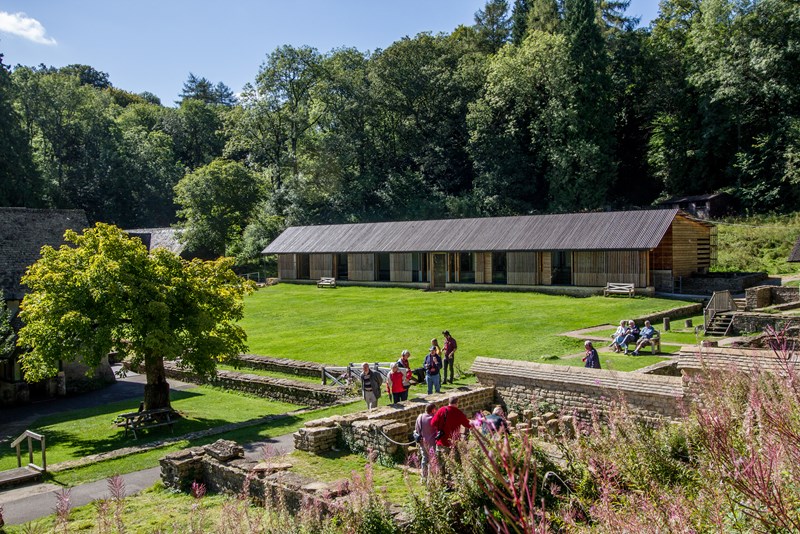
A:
(394, 385)
(448, 420)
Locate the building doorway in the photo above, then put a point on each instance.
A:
(439, 278)
(561, 268)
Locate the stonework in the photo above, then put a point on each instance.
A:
(280, 365)
(365, 432)
(764, 296)
(280, 389)
(579, 391)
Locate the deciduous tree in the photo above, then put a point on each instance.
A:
(105, 292)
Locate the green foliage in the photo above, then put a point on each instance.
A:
(8, 337)
(106, 292)
(757, 243)
(216, 202)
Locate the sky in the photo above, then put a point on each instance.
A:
(152, 45)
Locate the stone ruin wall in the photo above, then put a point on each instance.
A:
(362, 432)
(527, 386)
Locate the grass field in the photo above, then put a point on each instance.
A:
(355, 324)
(80, 433)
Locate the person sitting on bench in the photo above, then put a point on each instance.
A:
(646, 336)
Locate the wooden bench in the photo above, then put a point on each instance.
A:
(145, 419)
(613, 288)
(327, 282)
(654, 342)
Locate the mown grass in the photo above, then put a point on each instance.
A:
(270, 374)
(356, 324)
(757, 243)
(79, 433)
(148, 459)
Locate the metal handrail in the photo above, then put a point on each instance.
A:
(30, 436)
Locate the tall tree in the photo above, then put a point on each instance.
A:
(204, 90)
(107, 293)
(493, 25)
(87, 75)
(584, 169)
(519, 20)
(21, 183)
(543, 16)
(216, 202)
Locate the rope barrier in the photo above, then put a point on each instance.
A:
(397, 442)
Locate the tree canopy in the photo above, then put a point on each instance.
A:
(539, 106)
(103, 291)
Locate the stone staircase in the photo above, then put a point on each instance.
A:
(741, 303)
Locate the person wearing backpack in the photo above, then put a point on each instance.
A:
(433, 366)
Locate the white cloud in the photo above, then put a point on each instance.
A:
(22, 25)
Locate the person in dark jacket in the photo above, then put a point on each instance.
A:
(370, 386)
(449, 351)
(433, 366)
(592, 360)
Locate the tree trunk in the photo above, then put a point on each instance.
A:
(156, 391)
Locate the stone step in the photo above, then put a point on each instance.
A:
(18, 476)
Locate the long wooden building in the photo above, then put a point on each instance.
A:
(648, 248)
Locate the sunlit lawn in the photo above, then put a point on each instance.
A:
(88, 431)
(355, 324)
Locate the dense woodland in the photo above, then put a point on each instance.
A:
(539, 106)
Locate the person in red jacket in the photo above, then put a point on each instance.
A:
(394, 385)
(447, 421)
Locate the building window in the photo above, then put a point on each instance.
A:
(383, 270)
(303, 267)
(341, 266)
(499, 269)
(419, 267)
(466, 271)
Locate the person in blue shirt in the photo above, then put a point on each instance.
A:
(592, 360)
(645, 337)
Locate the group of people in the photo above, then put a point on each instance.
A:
(628, 333)
(436, 430)
(437, 363)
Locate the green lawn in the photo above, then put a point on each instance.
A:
(356, 324)
(270, 374)
(80, 433)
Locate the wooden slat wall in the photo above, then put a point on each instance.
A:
(361, 267)
(690, 246)
(286, 267)
(597, 268)
(400, 267)
(546, 274)
(480, 261)
(487, 268)
(661, 256)
(523, 268)
(320, 265)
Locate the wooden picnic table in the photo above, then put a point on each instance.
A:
(144, 419)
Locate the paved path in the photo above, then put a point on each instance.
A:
(27, 503)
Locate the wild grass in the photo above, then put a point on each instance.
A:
(757, 243)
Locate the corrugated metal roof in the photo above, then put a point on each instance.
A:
(616, 230)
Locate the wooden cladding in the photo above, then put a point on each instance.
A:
(286, 267)
(483, 267)
(691, 246)
(361, 267)
(401, 267)
(321, 265)
(597, 268)
(523, 268)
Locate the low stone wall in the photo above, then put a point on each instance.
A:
(222, 468)
(280, 365)
(763, 296)
(284, 390)
(675, 313)
(707, 284)
(363, 431)
(747, 322)
(576, 390)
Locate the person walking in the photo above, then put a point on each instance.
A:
(433, 365)
(426, 440)
(370, 386)
(405, 368)
(394, 385)
(592, 359)
(449, 350)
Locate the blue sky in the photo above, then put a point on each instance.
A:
(153, 45)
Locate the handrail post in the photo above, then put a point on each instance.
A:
(44, 456)
(324, 378)
(19, 456)
(30, 450)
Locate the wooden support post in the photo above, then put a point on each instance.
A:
(666, 324)
(30, 450)
(324, 377)
(44, 456)
(688, 323)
